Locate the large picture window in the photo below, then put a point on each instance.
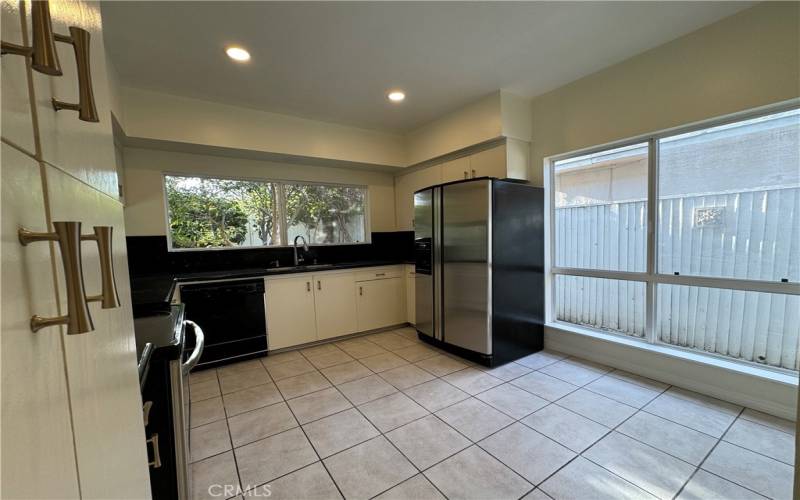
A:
(719, 273)
(206, 212)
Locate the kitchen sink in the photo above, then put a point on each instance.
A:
(309, 267)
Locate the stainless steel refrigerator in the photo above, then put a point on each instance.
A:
(479, 254)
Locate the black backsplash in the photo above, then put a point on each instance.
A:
(148, 255)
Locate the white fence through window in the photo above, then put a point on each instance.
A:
(742, 235)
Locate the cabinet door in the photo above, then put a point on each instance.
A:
(17, 118)
(455, 170)
(84, 149)
(489, 163)
(335, 300)
(380, 303)
(101, 364)
(38, 458)
(411, 310)
(290, 312)
(405, 185)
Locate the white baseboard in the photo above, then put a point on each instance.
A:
(759, 393)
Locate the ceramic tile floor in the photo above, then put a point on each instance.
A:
(387, 416)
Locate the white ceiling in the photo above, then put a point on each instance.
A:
(335, 61)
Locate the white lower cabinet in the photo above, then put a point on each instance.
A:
(335, 297)
(380, 303)
(291, 319)
(309, 307)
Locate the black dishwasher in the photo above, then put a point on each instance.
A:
(233, 319)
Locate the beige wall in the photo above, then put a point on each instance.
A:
(144, 190)
(472, 124)
(164, 117)
(744, 61)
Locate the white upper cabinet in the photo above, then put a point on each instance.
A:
(335, 300)
(17, 118)
(455, 170)
(83, 149)
(489, 163)
(291, 319)
(507, 160)
(404, 188)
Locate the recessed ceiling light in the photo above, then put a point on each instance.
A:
(396, 95)
(238, 54)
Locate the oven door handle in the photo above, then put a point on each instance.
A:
(199, 342)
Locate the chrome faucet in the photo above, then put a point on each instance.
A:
(299, 259)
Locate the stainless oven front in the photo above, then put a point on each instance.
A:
(181, 408)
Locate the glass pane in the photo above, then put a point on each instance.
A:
(326, 214)
(601, 210)
(752, 326)
(221, 213)
(729, 200)
(616, 306)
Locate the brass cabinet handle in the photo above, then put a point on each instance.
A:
(308, 286)
(361, 290)
(43, 53)
(156, 463)
(380, 274)
(68, 237)
(108, 294)
(466, 175)
(473, 173)
(87, 111)
(146, 407)
(319, 285)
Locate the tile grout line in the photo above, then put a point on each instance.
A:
(227, 421)
(319, 458)
(382, 434)
(772, 428)
(614, 429)
(514, 420)
(700, 465)
(755, 452)
(577, 454)
(475, 443)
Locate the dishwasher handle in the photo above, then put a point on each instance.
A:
(199, 342)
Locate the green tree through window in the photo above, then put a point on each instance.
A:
(228, 213)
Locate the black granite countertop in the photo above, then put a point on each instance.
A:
(153, 293)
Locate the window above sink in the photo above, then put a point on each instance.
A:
(224, 213)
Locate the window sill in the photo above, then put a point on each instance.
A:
(783, 376)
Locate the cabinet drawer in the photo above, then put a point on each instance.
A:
(375, 273)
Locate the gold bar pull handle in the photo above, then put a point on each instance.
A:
(109, 298)
(87, 111)
(43, 54)
(68, 237)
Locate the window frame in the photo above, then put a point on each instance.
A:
(281, 209)
(651, 277)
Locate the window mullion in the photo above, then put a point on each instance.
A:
(652, 240)
(284, 231)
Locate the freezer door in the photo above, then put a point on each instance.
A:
(466, 270)
(423, 256)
